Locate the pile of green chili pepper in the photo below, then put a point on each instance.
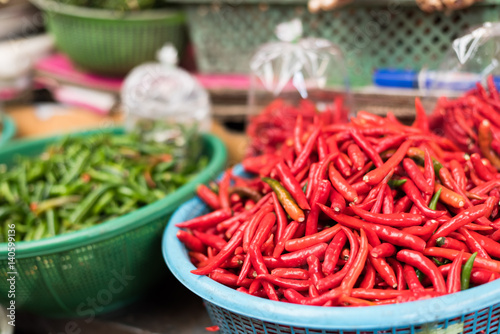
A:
(82, 181)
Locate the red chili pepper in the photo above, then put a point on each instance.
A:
(208, 196)
(359, 174)
(390, 142)
(281, 218)
(224, 190)
(489, 245)
(314, 268)
(360, 188)
(388, 203)
(295, 297)
(421, 120)
(447, 242)
(208, 220)
(222, 256)
(398, 269)
(320, 196)
(227, 278)
(292, 273)
(377, 175)
(291, 184)
(372, 237)
(467, 216)
(341, 185)
(212, 328)
(337, 201)
(458, 174)
(366, 147)
(251, 227)
(191, 242)
(411, 279)
(425, 231)
(334, 280)
(297, 134)
(210, 240)
(357, 157)
(256, 164)
(383, 250)
(416, 176)
(479, 276)
(287, 235)
(414, 194)
(260, 267)
(368, 281)
(481, 170)
(313, 171)
(322, 148)
(377, 206)
(299, 257)
(386, 233)
(357, 267)
(333, 251)
(419, 261)
(473, 244)
(403, 204)
(287, 283)
(453, 280)
(450, 254)
(395, 219)
(312, 239)
(302, 158)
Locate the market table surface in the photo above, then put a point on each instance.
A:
(168, 308)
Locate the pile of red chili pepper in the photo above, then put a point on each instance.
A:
(365, 213)
(268, 130)
(472, 121)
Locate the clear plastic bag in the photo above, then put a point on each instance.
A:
(166, 104)
(303, 74)
(471, 59)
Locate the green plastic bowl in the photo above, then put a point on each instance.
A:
(111, 42)
(8, 130)
(101, 268)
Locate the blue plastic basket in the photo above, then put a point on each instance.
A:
(476, 310)
(8, 130)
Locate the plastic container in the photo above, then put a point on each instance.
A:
(109, 42)
(114, 263)
(372, 34)
(8, 130)
(476, 310)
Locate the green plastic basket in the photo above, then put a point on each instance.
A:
(7, 130)
(371, 33)
(111, 264)
(111, 43)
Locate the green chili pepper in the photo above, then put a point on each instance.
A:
(394, 183)
(304, 188)
(87, 203)
(435, 199)
(288, 202)
(420, 274)
(440, 263)
(466, 272)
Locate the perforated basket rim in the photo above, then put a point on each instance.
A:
(8, 131)
(316, 317)
(54, 7)
(120, 225)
